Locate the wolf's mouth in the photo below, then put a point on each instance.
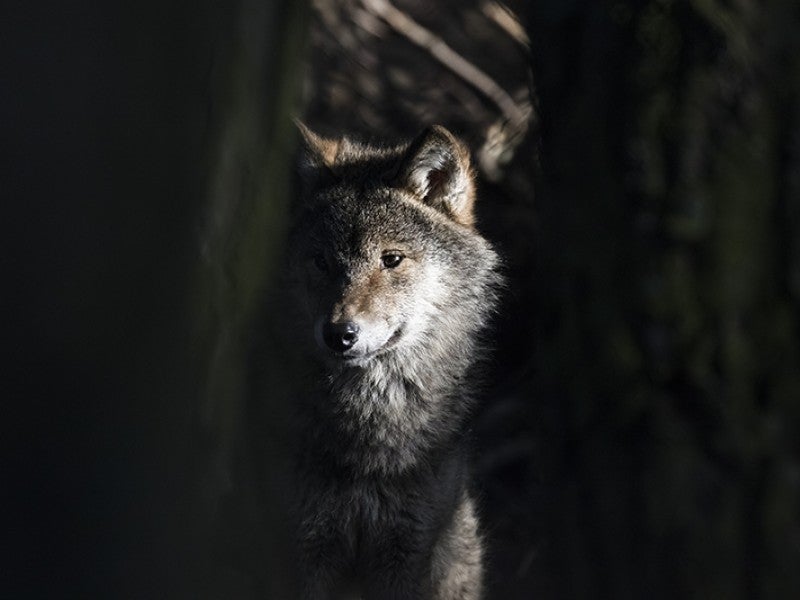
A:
(386, 347)
(394, 338)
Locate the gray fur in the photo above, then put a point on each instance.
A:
(384, 509)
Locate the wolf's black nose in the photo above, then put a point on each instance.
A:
(340, 336)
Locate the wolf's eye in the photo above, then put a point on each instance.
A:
(390, 261)
(320, 262)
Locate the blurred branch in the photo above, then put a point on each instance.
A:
(507, 21)
(430, 42)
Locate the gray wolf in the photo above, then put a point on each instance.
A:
(393, 286)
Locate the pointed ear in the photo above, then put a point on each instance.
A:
(318, 152)
(436, 168)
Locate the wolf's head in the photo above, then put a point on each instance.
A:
(386, 258)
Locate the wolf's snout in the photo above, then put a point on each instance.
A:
(340, 336)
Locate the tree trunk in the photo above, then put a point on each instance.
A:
(145, 154)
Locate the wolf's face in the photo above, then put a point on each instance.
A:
(373, 279)
(384, 245)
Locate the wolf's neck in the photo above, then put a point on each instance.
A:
(392, 411)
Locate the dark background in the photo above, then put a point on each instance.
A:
(639, 167)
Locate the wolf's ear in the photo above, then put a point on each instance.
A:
(318, 153)
(436, 168)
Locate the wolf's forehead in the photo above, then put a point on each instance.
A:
(370, 218)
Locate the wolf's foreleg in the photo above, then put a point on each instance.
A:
(458, 557)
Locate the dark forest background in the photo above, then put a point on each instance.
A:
(639, 170)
